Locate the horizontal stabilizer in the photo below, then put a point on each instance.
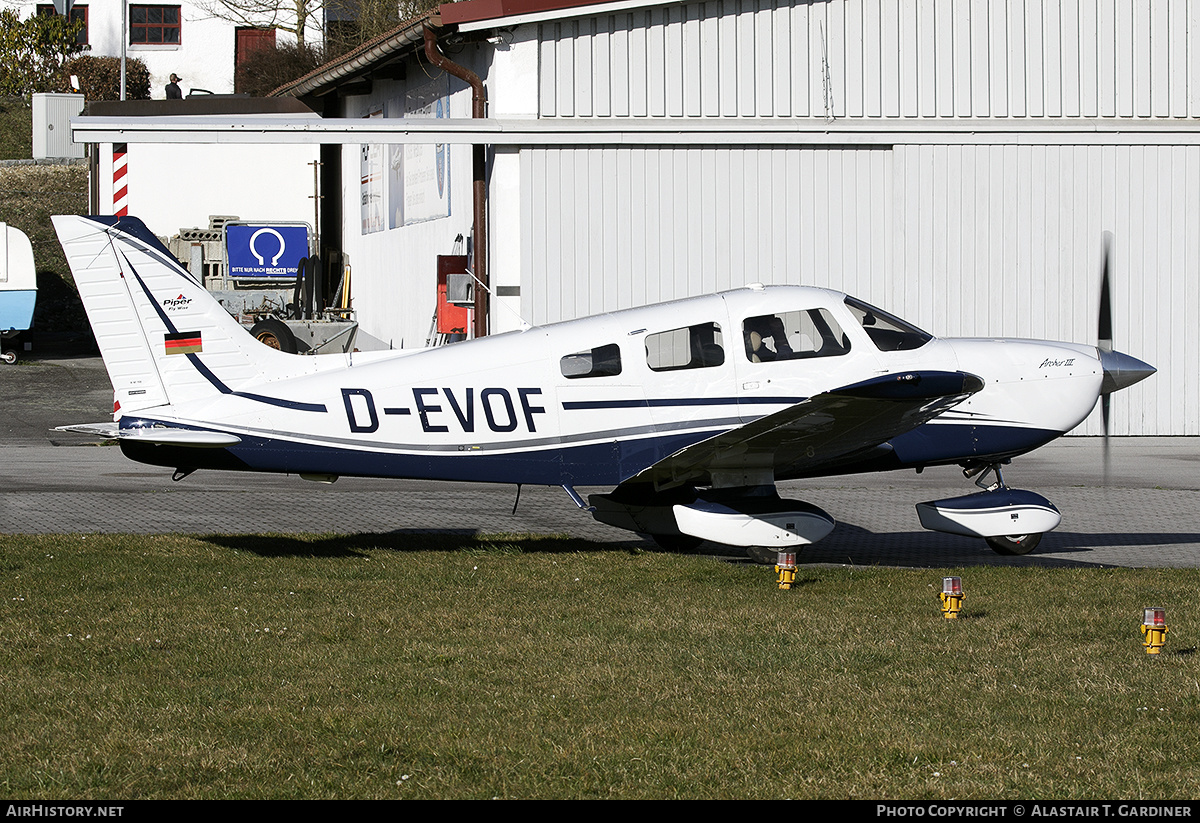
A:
(156, 435)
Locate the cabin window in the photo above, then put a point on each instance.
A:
(602, 361)
(887, 332)
(793, 335)
(692, 347)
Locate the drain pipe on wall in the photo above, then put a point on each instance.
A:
(479, 176)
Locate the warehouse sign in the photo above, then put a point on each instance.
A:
(265, 250)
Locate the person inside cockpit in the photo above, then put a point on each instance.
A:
(766, 339)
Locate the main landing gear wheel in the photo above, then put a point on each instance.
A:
(9, 357)
(1014, 544)
(274, 333)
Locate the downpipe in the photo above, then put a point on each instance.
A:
(479, 176)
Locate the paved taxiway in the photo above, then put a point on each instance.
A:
(1147, 515)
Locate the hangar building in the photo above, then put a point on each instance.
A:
(957, 162)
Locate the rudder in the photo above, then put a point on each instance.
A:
(163, 337)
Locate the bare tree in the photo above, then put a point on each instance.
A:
(346, 24)
(353, 22)
(294, 16)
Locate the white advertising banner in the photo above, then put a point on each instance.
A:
(372, 187)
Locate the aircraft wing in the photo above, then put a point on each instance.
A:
(823, 429)
(157, 435)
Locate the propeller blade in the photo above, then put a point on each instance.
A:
(1104, 326)
(1104, 335)
(1104, 401)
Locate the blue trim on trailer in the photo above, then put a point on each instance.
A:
(16, 309)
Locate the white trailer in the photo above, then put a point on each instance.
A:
(18, 286)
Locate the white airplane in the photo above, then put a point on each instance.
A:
(689, 411)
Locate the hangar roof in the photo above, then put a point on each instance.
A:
(370, 56)
(228, 105)
(472, 11)
(470, 15)
(393, 46)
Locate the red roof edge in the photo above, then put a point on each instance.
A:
(470, 11)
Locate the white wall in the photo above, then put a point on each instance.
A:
(177, 186)
(512, 92)
(394, 271)
(203, 59)
(394, 281)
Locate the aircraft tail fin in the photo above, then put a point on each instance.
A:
(164, 338)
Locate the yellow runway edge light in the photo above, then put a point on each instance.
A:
(1154, 628)
(785, 567)
(951, 596)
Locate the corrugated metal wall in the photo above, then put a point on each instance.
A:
(1006, 240)
(882, 58)
(610, 228)
(961, 238)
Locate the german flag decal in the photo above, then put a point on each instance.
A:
(186, 342)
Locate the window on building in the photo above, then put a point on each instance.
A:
(154, 25)
(78, 13)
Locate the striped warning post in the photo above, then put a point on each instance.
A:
(120, 184)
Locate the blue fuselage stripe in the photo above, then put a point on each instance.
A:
(581, 405)
(603, 463)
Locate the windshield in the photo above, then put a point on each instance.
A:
(887, 332)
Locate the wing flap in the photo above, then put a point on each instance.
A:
(823, 429)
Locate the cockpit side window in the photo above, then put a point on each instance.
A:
(691, 347)
(793, 335)
(602, 361)
(887, 332)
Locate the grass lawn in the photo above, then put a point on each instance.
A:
(30, 194)
(394, 666)
(16, 129)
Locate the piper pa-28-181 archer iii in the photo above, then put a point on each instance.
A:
(688, 411)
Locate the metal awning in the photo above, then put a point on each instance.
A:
(629, 131)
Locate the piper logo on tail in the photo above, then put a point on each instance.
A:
(173, 303)
(187, 342)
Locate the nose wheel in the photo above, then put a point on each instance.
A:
(1014, 544)
(1010, 545)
